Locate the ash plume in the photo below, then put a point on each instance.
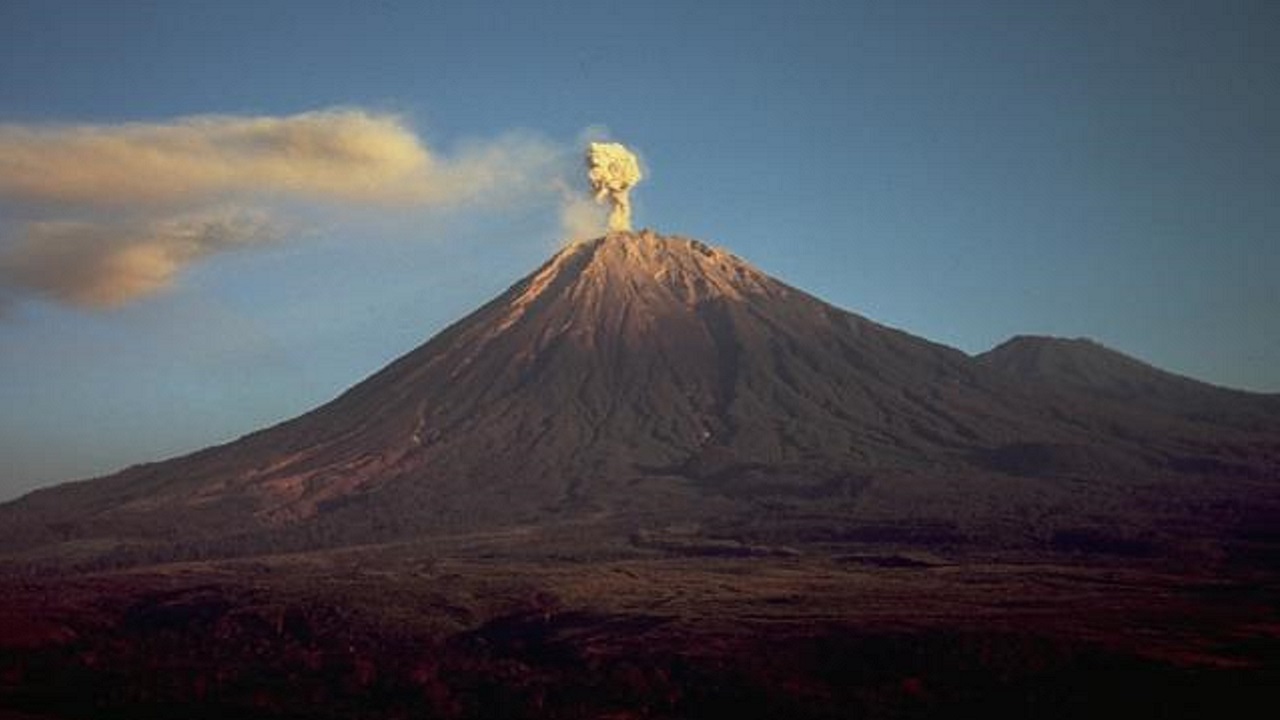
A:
(107, 264)
(342, 155)
(580, 217)
(100, 215)
(613, 170)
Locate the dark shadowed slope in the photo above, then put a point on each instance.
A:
(1086, 367)
(650, 381)
(1189, 426)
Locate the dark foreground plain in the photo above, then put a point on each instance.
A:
(651, 481)
(555, 622)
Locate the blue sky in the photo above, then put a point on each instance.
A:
(966, 171)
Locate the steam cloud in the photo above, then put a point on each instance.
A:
(613, 170)
(106, 264)
(121, 209)
(581, 218)
(346, 155)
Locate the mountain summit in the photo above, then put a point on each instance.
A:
(648, 381)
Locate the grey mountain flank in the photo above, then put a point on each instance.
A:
(638, 383)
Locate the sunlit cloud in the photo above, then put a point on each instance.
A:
(106, 264)
(346, 155)
(121, 209)
(581, 217)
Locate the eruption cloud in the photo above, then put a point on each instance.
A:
(107, 264)
(581, 218)
(350, 156)
(98, 215)
(613, 170)
(101, 215)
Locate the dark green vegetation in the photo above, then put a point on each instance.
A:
(651, 481)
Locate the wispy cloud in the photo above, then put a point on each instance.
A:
(347, 155)
(581, 217)
(106, 264)
(122, 209)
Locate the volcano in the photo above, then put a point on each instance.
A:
(649, 480)
(638, 383)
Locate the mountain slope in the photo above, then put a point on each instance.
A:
(654, 380)
(1086, 367)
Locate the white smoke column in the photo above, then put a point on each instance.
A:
(613, 170)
